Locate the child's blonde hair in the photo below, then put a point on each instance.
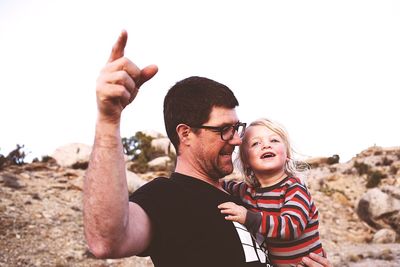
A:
(292, 167)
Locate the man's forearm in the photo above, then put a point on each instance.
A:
(105, 192)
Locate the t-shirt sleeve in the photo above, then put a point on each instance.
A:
(148, 196)
(152, 197)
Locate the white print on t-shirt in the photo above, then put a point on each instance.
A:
(252, 250)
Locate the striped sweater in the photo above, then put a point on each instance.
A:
(283, 217)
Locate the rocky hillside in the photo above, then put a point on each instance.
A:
(359, 204)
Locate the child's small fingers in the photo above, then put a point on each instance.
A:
(226, 211)
(229, 217)
(223, 205)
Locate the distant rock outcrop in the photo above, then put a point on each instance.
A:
(70, 154)
(319, 161)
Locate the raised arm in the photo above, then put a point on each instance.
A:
(113, 226)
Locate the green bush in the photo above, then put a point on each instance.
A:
(138, 149)
(15, 157)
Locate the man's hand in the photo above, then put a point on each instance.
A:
(235, 212)
(119, 82)
(314, 260)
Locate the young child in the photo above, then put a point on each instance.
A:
(282, 214)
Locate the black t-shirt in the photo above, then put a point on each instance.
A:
(189, 230)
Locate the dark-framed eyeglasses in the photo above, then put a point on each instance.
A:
(227, 132)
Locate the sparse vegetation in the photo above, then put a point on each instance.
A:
(333, 160)
(2, 160)
(332, 169)
(137, 148)
(374, 178)
(80, 165)
(330, 191)
(15, 157)
(386, 161)
(393, 170)
(140, 151)
(44, 159)
(361, 167)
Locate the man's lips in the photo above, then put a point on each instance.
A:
(226, 152)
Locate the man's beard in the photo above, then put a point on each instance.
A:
(218, 173)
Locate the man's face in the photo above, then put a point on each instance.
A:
(211, 154)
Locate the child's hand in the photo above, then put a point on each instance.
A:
(235, 212)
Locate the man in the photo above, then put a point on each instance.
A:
(174, 220)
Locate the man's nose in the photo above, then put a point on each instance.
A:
(236, 140)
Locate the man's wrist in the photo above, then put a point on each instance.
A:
(107, 133)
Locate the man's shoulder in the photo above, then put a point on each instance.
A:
(158, 187)
(155, 184)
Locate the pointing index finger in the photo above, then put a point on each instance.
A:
(118, 48)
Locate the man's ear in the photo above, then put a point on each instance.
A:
(183, 132)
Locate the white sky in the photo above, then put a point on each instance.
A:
(327, 70)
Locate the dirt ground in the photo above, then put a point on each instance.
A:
(41, 223)
(41, 219)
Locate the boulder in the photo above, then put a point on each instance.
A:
(153, 134)
(134, 181)
(379, 209)
(384, 236)
(160, 163)
(71, 154)
(163, 144)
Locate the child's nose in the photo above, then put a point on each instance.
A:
(266, 145)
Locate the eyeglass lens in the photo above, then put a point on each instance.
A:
(230, 132)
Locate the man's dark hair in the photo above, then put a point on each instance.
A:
(191, 100)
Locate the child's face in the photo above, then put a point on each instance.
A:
(265, 150)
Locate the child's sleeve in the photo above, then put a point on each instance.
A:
(253, 221)
(291, 219)
(232, 187)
